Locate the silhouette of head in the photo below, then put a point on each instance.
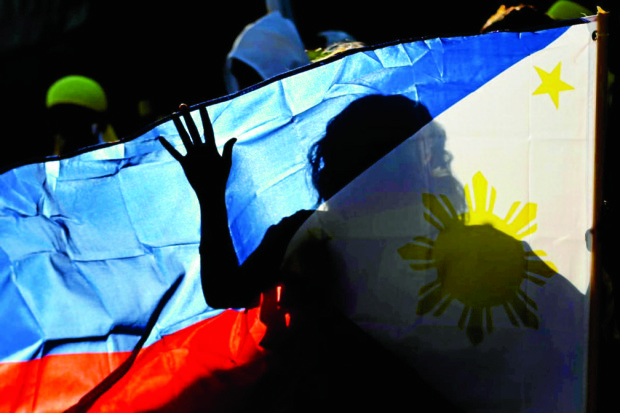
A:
(368, 129)
(77, 112)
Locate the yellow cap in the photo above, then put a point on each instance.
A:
(564, 10)
(77, 90)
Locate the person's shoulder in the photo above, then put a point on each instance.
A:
(298, 218)
(279, 235)
(289, 225)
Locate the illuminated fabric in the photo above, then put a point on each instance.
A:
(91, 243)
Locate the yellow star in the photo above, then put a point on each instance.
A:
(552, 84)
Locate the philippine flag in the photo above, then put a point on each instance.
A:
(480, 285)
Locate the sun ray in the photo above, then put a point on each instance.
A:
(423, 266)
(552, 266)
(432, 221)
(470, 206)
(528, 318)
(463, 318)
(480, 191)
(474, 326)
(541, 268)
(492, 200)
(416, 252)
(426, 288)
(528, 231)
(432, 203)
(510, 213)
(489, 319)
(535, 280)
(510, 314)
(537, 253)
(424, 240)
(524, 218)
(429, 301)
(444, 306)
(528, 300)
(450, 207)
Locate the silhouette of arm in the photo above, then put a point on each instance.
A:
(225, 283)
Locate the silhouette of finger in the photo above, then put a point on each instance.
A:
(175, 154)
(208, 129)
(182, 133)
(227, 153)
(191, 126)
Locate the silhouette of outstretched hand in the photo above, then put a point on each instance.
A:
(206, 171)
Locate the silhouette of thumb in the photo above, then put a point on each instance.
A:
(227, 153)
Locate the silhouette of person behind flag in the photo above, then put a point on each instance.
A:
(325, 358)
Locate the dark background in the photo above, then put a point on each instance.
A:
(168, 55)
(140, 51)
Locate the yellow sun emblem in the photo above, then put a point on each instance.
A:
(480, 260)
